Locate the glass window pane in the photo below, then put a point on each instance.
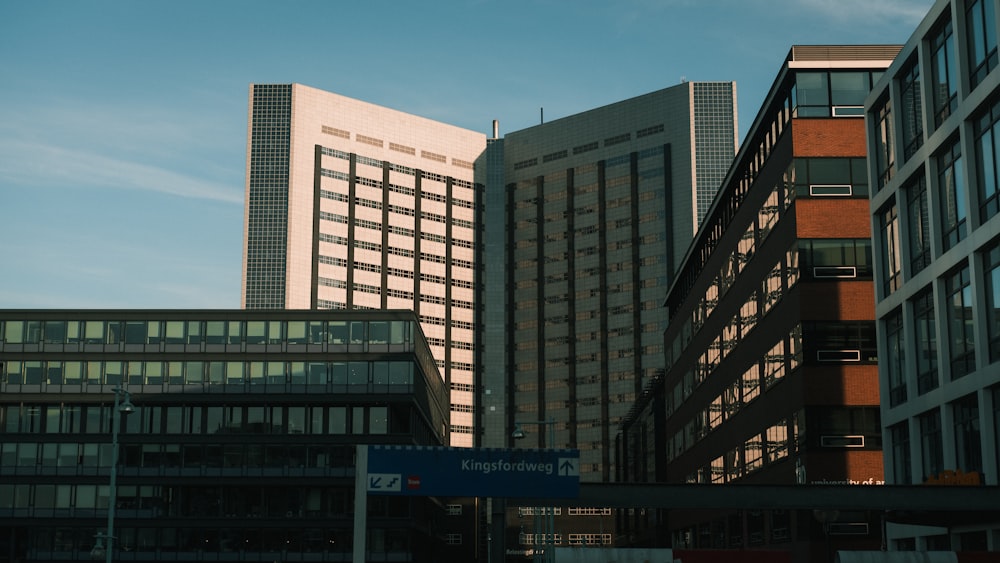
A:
(337, 332)
(194, 332)
(256, 332)
(135, 332)
(94, 333)
(338, 420)
(274, 335)
(235, 332)
(378, 420)
(175, 332)
(296, 332)
(848, 88)
(811, 89)
(378, 332)
(55, 332)
(13, 332)
(357, 420)
(215, 332)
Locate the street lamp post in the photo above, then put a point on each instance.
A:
(548, 538)
(123, 407)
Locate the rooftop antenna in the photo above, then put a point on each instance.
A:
(541, 114)
(496, 128)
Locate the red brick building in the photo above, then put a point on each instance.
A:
(771, 364)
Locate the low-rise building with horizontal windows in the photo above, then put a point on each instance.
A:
(242, 441)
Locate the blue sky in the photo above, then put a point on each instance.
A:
(123, 123)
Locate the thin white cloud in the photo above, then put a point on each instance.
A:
(45, 165)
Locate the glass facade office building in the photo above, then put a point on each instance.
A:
(934, 157)
(600, 206)
(241, 444)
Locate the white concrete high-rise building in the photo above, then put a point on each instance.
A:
(536, 262)
(354, 206)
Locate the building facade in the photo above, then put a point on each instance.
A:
(770, 353)
(535, 262)
(600, 205)
(241, 443)
(933, 124)
(350, 205)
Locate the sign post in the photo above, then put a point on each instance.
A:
(458, 472)
(360, 504)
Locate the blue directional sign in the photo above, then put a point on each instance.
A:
(482, 472)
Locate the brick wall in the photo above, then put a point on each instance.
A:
(832, 218)
(846, 300)
(829, 137)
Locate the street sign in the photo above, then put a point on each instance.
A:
(473, 472)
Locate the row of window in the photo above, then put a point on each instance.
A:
(376, 163)
(915, 337)
(370, 376)
(189, 542)
(917, 445)
(828, 427)
(778, 282)
(557, 539)
(154, 420)
(249, 332)
(784, 357)
(980, 57)
(402, 210)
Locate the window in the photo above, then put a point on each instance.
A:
(968, 449)
(991, 270)
(951, 186)
(918, 227)
(931, 448)
(926, 341)
(896, 352)
(959, 317)
(996, 421)
(981, 39)
(848, 91)
(900, 436)
(839, 341)
(986, 130)
(944, 83)
(822, 94)
(846, 427)
(753, 453)
(834, 177)
(812, 96)
(912, 108)
(885, 152)
(836, 258)
(776, 445)
(889, 222)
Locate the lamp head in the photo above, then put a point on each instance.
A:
(98, 552)
(518, 433)
(126, 407)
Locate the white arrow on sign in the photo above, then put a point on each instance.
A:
(569, 467)
(385, 482)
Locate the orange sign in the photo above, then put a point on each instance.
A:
(958, 477)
